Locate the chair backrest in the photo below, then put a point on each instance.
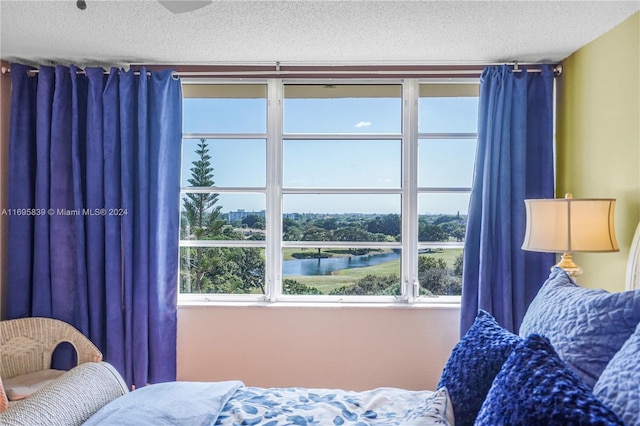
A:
(26, 345)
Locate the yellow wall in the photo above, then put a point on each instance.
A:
(598, 140)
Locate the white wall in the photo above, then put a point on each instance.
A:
(345, 347)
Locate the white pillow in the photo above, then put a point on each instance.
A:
(20, 387)
(434, 410)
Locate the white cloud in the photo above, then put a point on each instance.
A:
(363, 124)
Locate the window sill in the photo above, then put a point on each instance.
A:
(450, 303)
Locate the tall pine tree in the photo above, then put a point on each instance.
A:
(203, 220)
(202, 214)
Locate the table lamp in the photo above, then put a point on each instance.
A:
(565, 225)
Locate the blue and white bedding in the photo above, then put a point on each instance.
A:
(232, 403)
(302, 407)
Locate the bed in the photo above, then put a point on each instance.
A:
(574, 362)
(232, 403)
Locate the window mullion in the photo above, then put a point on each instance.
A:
(343, 136)
(409, 190)
(273, 255)
(223, 136)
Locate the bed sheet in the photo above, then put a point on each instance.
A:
(325, 407)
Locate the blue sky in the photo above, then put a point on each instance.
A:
(335, 163)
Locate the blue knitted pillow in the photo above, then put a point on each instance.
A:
(473, 364)
(585, 326)
(618, 385)
(535, 388)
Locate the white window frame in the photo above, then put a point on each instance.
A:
(274, 191)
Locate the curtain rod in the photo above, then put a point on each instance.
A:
(203, 71)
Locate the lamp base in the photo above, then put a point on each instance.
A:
(569, 266)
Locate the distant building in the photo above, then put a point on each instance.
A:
(241, 214)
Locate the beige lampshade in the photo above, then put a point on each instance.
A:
(562, 225)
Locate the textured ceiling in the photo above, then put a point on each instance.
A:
(113, 32)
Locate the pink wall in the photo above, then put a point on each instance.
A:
(332, 347)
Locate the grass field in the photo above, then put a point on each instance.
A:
(326, 283)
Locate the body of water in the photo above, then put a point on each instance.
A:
(325, 266)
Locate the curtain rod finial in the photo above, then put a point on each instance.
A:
(557, 70)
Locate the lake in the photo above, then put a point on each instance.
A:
(325, 266)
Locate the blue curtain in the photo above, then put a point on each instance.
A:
(93, 200)
(514, 161)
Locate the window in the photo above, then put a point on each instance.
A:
(447, 136)
(330, 191)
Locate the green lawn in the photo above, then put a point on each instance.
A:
(449, 255)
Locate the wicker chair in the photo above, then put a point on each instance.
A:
(69, 400)
(26, 346)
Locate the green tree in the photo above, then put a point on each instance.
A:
(291, 229)
(436, 278)
(254, 221)
(202, 215)
(295, 287)
(314, 233)
(457, 265)
(371, 285)
(249, 268)
(387, 225)
(445, 219)
(459, 233)
(329, 223)
(429, 232)
(203, 222)
(352, 233)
